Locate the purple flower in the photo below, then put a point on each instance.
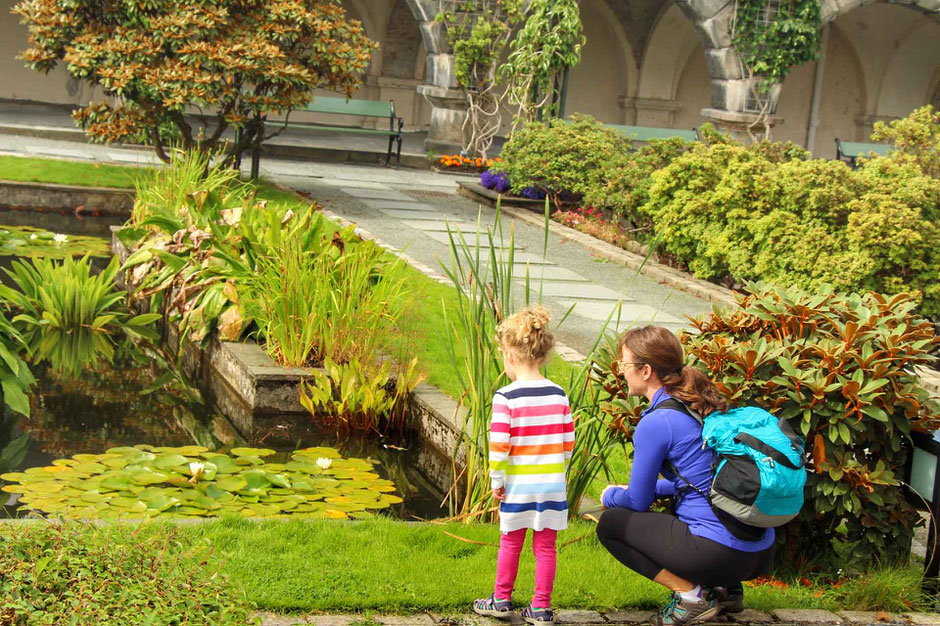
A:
(533, 193)
(498, 181)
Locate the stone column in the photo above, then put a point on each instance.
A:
(729, 87)
(449, 104)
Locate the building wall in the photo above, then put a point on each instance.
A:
(882, 60)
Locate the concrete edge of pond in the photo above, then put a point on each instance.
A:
(54, 197)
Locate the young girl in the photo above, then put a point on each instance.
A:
(531, 439)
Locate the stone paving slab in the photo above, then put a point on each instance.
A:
(628, 617)
(806, 616)
(58, 152)
(419, 619)
(581, 291)
(395, 203)
(750, 616)
(436, 225)
(871, 617)
(923, 619)
(548, 273)
(427, 214)
(629, 312)
(352, 186)
(579, 617)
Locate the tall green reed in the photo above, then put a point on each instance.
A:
(339, 301)
(190, 186)
(482, 272)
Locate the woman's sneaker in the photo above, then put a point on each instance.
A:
(491, 607)
(729, 599)
(539, 617)
(680, 611)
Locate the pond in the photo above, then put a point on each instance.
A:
(111, 406)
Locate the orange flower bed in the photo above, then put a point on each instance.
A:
(466, 164)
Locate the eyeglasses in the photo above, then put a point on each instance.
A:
(620, 365)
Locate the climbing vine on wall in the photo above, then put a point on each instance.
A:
(478, 32)
(773, 36)
(548, 43)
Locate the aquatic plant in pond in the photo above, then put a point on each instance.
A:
(190, 481)
(68, 315)
(37, 242)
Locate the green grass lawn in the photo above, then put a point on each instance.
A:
(384, 565)
(27, 169)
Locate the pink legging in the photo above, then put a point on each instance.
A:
(507, 564)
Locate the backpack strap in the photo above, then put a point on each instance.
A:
(678, 405)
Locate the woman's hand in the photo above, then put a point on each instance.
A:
(608, 488)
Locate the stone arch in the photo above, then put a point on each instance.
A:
(605, 78)
(844, 98)
(908, 81)
(402, 42)
(667, 52)
(831, 9)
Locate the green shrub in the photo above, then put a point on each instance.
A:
(839, 369)
(624, 185)
(568, 157)
(916, 138)
(764, 213)
(85, 574)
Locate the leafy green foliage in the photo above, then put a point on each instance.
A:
(315, 298)
(15, 377)
(69, 316)
(190, 481)
(839, 369)
(243, 59)
(368, 398)
(623, 187)
(772, 37)
(766, 213)
(83, 573)
(916, 138)
(565, 156)
(549, 41)
(477, 33)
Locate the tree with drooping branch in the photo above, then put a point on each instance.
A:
(237, 61)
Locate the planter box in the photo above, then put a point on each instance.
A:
(476, 191)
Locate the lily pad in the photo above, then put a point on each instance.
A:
(151, 481)
(259, 452)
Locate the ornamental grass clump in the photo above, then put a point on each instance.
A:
(841, 369)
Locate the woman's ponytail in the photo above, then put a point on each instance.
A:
(659, 348)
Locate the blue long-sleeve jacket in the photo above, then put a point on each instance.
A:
(668, 435)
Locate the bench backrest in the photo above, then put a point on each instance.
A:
(646, 133)
(367, 108)
(855, 149)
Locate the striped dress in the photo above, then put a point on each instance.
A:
(531, 439)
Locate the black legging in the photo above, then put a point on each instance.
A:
(650, 542)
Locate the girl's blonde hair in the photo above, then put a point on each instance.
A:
(526, 334)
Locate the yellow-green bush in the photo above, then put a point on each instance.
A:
(730, 211)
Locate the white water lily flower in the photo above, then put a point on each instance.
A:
(34, 236)
(60, 238)
(197, 469)
(324, 462)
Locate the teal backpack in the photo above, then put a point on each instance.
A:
(758, 472)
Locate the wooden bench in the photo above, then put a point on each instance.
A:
(360, 108)
(849, 151)
(648, 133)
